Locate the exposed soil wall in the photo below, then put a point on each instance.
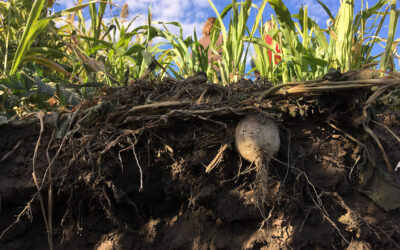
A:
(130, 173)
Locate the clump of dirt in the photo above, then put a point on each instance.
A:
(154, 166)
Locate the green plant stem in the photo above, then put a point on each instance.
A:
(394, 16)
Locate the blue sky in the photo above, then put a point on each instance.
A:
(192, 13)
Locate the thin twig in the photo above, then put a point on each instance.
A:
(288, 162)
(166, 104)
(367, 104)
(27, 207)
(354, 165)
(318, 86)
(120, 157)
(397, 167)
(346, 134)
(318, 201)
(24, 211)
(388, 129)
(217, 159)
(193, 114)
(50, 190)
(266, 220)
(12, 151)
(275, 88)
(389, 166)
(137, 161)
(40, 115)
(304, 221)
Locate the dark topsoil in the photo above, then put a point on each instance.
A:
(324, 190)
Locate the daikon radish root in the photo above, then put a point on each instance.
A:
(257, 140)
(257, 137)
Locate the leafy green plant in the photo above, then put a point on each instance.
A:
(32, 29)
(234, 54)
(113, 52)
(186, 54)
(28, 90)
(349, 44)
(13, 15)
(296, 59)
(264, 66)
(116, 51)
(306, 52)
(37, 22)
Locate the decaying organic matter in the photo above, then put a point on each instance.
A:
(154, 166)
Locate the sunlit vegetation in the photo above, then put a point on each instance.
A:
(41, 59)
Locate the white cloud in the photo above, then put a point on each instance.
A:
(66, 3)
(190, 14)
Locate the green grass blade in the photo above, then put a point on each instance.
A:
(25, 39)
(48, 63)
(222, 26)
(255, 26)
(292, 43)
(367, 13)
(148, 27)
(305, 28)
(117, 50)
(386, 62)
(8, 32)
(327, 10)
(378, 29)
(136, 48)
(48, 51)
(93, 18)
(100, 16)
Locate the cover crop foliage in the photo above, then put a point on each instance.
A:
(41, 60)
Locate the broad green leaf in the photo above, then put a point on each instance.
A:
(27, 35)
(36, 51)
(148, 57)
(48, 63)
(315, 61)
(136, 48)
